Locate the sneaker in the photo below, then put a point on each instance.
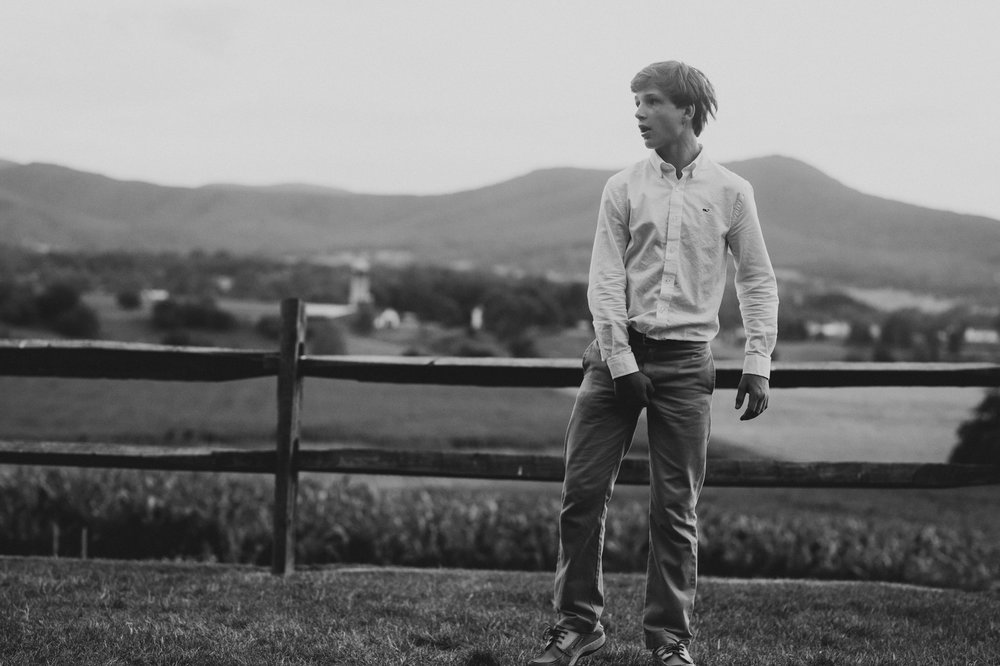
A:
(675, 654)
(564, 647)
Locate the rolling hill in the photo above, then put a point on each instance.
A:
(541, 221)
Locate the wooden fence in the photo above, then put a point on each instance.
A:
(33, 358)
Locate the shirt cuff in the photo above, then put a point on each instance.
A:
(622, 364)
(754, 364)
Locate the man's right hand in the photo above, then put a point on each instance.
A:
(634, 389)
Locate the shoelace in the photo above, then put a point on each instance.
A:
(553, 635)
(675, 649)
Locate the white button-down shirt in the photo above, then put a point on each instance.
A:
(660, 255)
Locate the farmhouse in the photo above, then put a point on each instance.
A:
(981, 336)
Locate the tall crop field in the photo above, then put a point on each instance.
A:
(889, 536)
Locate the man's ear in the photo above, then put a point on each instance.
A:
(689, 111)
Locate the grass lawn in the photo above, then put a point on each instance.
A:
(875, 424)
(76, 612)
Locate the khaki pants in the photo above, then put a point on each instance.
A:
(598, 437)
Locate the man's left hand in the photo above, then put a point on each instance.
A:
(755, 388)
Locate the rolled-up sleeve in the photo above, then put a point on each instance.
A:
(606, 294)
(756, 286)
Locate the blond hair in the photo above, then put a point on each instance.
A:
(684, 85)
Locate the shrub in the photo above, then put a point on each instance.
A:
(792, 328)
(326, 338)
(202, 314)
(166, 315)
(269, 326)
(56, 300)
(17, 305)
(979, 436)
(129, 300)
(523, 347)
(58, 307)
(882, 353)
(362, 322)
(79, 321)
(860, 334)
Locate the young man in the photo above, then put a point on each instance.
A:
(665, 228)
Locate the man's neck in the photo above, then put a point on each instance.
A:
(680, 154)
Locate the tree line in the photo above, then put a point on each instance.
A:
(511, 304)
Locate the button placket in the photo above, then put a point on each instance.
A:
(668, 276)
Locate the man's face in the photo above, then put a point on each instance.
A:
(660, 122)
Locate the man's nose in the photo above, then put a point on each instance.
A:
(639, 113)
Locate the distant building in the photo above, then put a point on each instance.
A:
(154, 295)
(981, 336)
(388, 318)
(358, 294)
(476, 319)
(361, 288)
(836, 330)
(330, 310)
(224, 283)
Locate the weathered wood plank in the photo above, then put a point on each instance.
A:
(111, 360)
(126, 456)
(776, 474)
(159, 362)
(568, 372)
(535, 372)
(286, 481)
(510, 466)
(834, 375)
(516, 466)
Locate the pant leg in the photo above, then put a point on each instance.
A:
(598, 437)
(679, 427)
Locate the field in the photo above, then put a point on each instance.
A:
(911, 424)
(942, 538)
(868, 424)
(60, 611)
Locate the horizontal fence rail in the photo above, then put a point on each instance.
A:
(495, 466)
(120, 360)
(569, 373)
(132, 456)
(290, 365)
(106, 360)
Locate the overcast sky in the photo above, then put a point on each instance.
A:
(898, 99)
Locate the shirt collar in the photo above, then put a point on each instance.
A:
(661, 166)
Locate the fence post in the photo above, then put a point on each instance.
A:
(293, 333)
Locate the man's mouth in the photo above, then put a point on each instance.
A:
(644, 130)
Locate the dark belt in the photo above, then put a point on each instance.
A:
(635, 338)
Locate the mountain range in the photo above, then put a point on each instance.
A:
(543, 221)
